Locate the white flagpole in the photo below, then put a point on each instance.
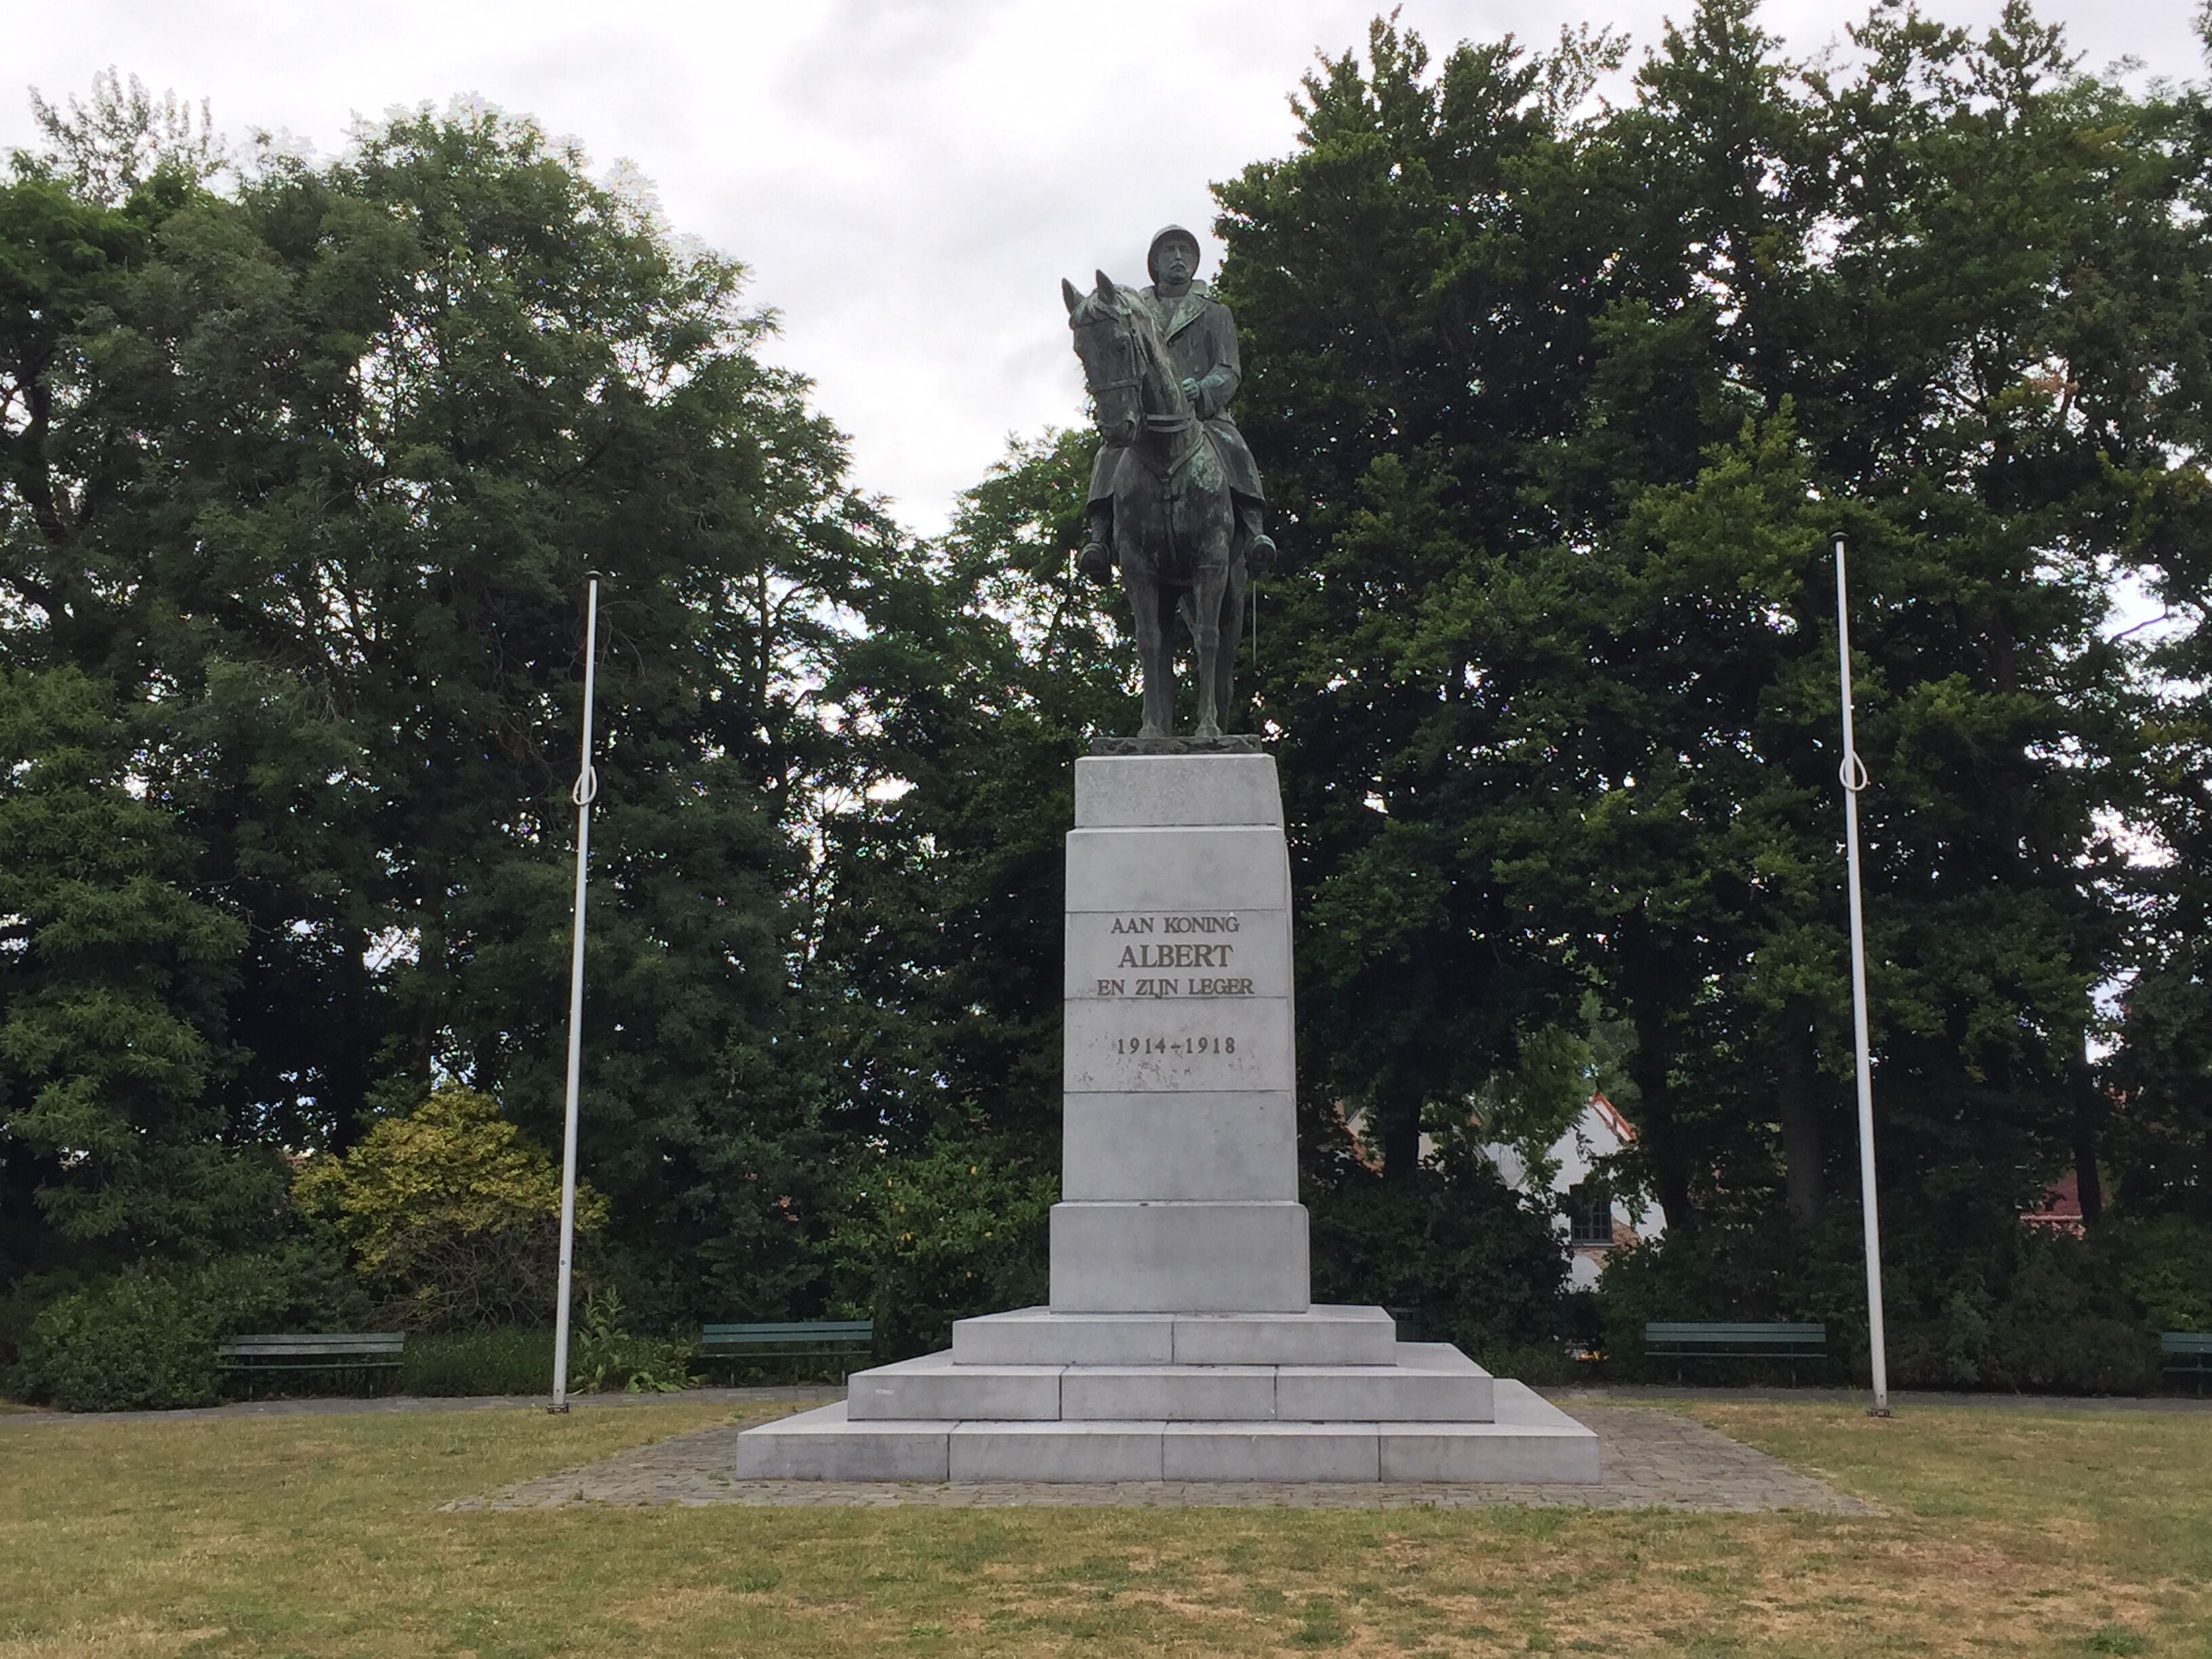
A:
(587, 788)
(1854, 776)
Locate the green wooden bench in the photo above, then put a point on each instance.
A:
(1680, 1341)
(366, 1352)
(810, 1339)
(2187, 1353)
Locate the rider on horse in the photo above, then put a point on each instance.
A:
(1201, 338)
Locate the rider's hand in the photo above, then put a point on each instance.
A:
(1096, 563)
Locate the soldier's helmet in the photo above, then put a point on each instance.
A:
(1170, 233)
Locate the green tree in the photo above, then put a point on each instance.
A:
(328, 464)
(452, 1215)
(1563, 408)
(113, 976)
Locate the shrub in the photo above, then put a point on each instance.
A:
(2058, 1329)
(1484, 1269)
(465, 1363)
(2167, 1272)
(1762, 1270)
(606, 1356)
(139, 1341)
(145, 1339)
(1992, 1306)
(957, 1229)
(454, 1218)
(601, 1355)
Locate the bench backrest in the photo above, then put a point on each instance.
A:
(310, 1347)
(1747, 1335)
(2185, 1342)
(852, 1333)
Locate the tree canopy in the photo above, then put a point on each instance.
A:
(1562, 401)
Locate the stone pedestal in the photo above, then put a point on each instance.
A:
(1181, 1342)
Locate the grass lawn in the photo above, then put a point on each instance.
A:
(2005, 1533)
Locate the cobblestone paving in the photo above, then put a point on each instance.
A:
(1651, 1459)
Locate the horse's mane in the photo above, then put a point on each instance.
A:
(1149, 338)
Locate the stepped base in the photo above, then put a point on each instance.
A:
(1425, 1381)
(1322, 1335)
(1528, 1441)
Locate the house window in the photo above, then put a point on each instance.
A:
(1589, 1215)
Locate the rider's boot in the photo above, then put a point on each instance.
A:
(1095, 561)
(1259, 546)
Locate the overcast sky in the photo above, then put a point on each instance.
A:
(907, 179)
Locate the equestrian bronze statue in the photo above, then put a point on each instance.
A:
(1175, 500)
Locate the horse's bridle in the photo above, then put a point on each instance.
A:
(1152, 422)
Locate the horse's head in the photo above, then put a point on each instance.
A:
(1113, 354)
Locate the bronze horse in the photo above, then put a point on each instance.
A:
(1175, 525)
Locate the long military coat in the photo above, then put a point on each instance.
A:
(1201, 338)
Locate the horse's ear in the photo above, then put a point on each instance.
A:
(1105, 285)
(1067, 293)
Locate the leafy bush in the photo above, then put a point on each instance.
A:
(1762, 1269)
(138, 1342)
(145, 1339)
(2060, 1328)
(465, 1363)
(2000, 1308)
(606, 1356)
(520, 1362)
(2167, 1271)
(454, 1218)
(1484, 1269)
(957, 1229)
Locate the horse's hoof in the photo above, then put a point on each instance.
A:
(1154, 731)
(1208, 730)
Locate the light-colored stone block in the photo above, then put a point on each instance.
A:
(1529, 1440)
(1111, 953)
(1179, 1258)
(1526, 1441)
(1175, 1392)
(1324, 1335)
(1055, 1451)
(823, 1445)
(1270, 1451)
(1191, 1146)
(1038, 1336)
(1483, 1452)
(934, 1386)
(1322, 1393)
(1207, 871)
(1201, 1045)
(1155, 789)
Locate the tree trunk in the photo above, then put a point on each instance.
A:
(348, 1076)
(1797, 1095)
(2089, 1108)
(1402, 1142)
(1662, 1147)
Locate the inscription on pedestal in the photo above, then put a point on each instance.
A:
(1124, 1044)
(1167, 955)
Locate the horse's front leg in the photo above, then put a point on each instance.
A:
(1146, 596)
(1232, 635)
(1205, 622)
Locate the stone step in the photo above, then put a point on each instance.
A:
(1531, 1441)
(1431, 1382)
(1323, 1335)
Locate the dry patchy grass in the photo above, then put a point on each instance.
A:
(320, 1536)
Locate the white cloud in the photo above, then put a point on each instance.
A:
(908, 179)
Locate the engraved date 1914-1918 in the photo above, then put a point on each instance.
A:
(1193, 1043)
